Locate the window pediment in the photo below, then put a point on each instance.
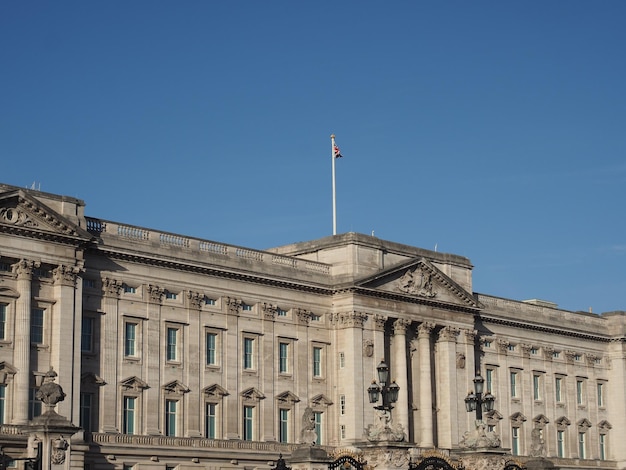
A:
(288, 398)
(215, 391)
(252, 394)
(134, 383)
(176, 387)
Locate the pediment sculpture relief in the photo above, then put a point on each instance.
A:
(417, 282)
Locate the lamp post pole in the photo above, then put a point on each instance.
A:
(475, 401)
(384, 430)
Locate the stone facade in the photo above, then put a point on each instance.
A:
(177, 352)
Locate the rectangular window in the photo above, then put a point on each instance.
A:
(89, 283)
(318, 427)
(281, 313)
(600, 393)
(536, 387)
(248, 353)
(171, 408)
(86, 337)
(172, 344)
(582, 450)
(211, 349)
(580, 391)
(246, 308)
(170, 295)
(342, 405)
(283, 426)
(129, 290)
(342, 431)
(130, 339)
(560, 444)
(317, 362)
(128, 419)
(514, 391)
(283, 349)
(558, 389)
(209, 301)
(342, 360)
(34, 404)
(3, 321)
(210, 421)
(248, 423)
(602, 444)
(36, 326)
(86, 406)
(489, 376)
(3, 397)
(515, 441)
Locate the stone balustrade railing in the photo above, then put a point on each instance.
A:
(138, 234)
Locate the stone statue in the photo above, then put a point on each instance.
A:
(50, 393)
(307, 433)
(537, 447)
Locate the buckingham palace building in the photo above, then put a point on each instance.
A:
(138, 349)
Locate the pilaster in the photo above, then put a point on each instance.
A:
(425, 385)
(109, 355)
(151, 355)
(447, 387)
(399, 372)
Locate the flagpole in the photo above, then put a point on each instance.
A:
(332, 157)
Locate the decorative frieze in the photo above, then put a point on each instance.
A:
(155, 294)
(548, 353)
(24, 269)
(302, 315)
(66, 275)
(233, 306)
(111, 287)
(269, 311)
(195, 300)
(502, 345)
(349, 319)
(526, 348)
(418, 281)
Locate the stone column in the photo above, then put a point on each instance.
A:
(232, 367)
(195, 359)
(24, 270)
(399, 372)
(111, 335)
(267, 371)
(152, 360)
(447, 387)
(426, 392)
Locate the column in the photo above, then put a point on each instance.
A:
(267, 373)
(194, 365)
(232, 369)
(109, 355)
(399, 372)
(24, 270)
(447, 387)
(152, 360)
(425, 385)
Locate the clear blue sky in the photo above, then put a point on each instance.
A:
(493, 130)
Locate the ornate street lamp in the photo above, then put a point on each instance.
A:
(384, 430)
(476, 402)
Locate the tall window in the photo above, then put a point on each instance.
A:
(36, 326)
(171, 408)
(318, 427)
(86, 337)
(536, 387)
(558, 389)
(515, 441)
(582, 447)
(600, 393)
(130, 339)
(128, 419)
(283, 349)
(3, 321)
(248, 353)
(580, 391)
(602, 444)
(172, 344)
(514, 391)
(560, 444)
(211, 349)
(317, 362)
(342, 360)
(248, 423)
(489, 380)
(342, 431)
(283, 425)
(342, 405)
(210, 421)
(34, 404)
(3, 397)
(86, 406)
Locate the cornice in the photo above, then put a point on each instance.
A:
(27, 232)
(544, 329)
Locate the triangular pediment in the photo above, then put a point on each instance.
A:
(92, 379)
(21, 211)
(420, 279)
(215, 391)
(321, 399)
(176, 387)
(252, 394)
(288, 397)
(134, 384)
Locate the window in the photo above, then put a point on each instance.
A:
(342, 360)
(283, 350)
(556, 354)
(487, 344)
(210, 421)
(318, 427)
(86, 406)
(209, 301)
(129, 290)
(211, 349)
(171, 295)
(580, 391)
(248, 353)
(248, 423)
(511, 347)
(534, 351)
(246, 307)
(172, 344)
(3, 321)
(582, 447)
(283, 425)
(317, 362)
(489, 376)
(34, 404)
(602, 444)
(560, 444)
(3, 397)
(281, 313)
(86, 337)
(171, 408)
(342, 431)
(515, 441)
(128, 419)
(315, 317)
(558, 389)
(342, 405)
(514, 391)
(600, 393)
(36, 326)
(536, 386)
(130, 339)
(89, 283)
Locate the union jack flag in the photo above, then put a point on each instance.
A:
(337, 152)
